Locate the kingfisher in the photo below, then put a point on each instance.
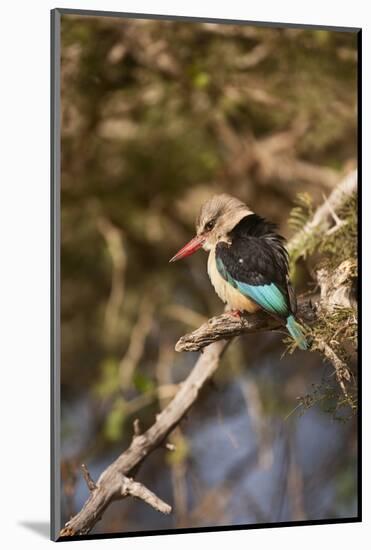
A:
(248, 261)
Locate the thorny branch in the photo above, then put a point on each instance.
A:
(115, 483)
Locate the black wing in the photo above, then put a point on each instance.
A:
(257, 257)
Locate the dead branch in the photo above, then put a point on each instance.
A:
(335, 291)
(341, 370)
(138, 490)
(228, 326)
(115, 483)
(136, 427)
(88, 479)
(109, 486)
(335, 288)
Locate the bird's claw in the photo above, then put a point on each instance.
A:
(235, 313)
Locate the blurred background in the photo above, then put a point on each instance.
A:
(156, 117)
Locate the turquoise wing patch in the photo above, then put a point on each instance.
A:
(269, 297)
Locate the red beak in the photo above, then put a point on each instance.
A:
(189, 248)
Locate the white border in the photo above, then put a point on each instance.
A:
(25, 286)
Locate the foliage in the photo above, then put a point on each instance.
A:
(342, 244)
(329, 398)
(338, 328)
(302, 212)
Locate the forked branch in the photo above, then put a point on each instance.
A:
(115, 482)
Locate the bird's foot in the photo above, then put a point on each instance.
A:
(236, 313)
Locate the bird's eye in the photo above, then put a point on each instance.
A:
(209, 225)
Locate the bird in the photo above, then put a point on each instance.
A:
(248, 261)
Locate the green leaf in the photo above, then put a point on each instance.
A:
(142, 382)
(302, 212)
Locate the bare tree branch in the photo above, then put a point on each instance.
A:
(227, 326)
(89, 481)
(335, 291)
(335, 288)
(138, 490)
(115, 483)
(109, 485)
(341, 369)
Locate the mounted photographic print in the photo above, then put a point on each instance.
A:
(204, 276)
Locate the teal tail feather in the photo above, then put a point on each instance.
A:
(296, 332)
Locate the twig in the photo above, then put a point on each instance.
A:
(136, 427)
(341, 369)
(89, 481)
(138, 490)
(109, 485)
(338, 222)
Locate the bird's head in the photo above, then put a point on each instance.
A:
(217, 217)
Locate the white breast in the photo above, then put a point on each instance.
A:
(226, 292)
